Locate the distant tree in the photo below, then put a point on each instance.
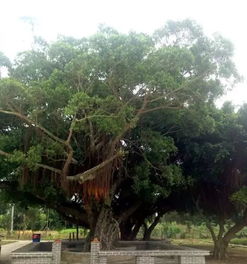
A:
(4, 63)
(216, 162)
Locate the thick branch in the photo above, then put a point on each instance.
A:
(70, 132)
(236, 228)
(211, 230)
(33, 123)
(44, 166)
(143, 110)
(69, 151)
(49, 168)
(2, 153)
(95, 116)
(68, 161)
(129, 125)
(91, 136)
(165, 96)
(73, 215)
(155, 222)
(124, 216)
(90, 174)
(221, 229)
(160, 108)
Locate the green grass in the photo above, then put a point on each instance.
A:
(192, 242)
(67, 231)
(45, 235)
(239, 241)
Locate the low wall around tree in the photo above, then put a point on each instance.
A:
(76, 257)
(38, 253)
(180, 255)
(147, 253)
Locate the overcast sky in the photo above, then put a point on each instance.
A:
(81, 17)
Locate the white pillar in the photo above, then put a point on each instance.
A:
(12, 218)
(95, 248)
(56, 251)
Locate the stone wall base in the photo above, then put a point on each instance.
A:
(144, 260)
(192, 260)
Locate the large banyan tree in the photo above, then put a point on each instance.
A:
(78, 118)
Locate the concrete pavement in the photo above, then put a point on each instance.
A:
(8, 248)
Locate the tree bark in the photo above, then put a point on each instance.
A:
(104, 227)
(129, 231)
(220, 249)
(126, 230)
(107, 228)
(220, 244)
(148, 230)
(222, 240)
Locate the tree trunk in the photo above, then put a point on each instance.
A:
(147, 234)
(126, 230)
(129, 230)
(223, 239)
(220, 242)
(88, 240)
(220, 249)
(148, 230)
(135, 231)
(104, 227)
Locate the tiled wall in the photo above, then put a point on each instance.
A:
(53, 257)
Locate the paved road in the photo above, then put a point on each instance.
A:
(7, 249)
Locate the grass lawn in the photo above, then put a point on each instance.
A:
(236, 255)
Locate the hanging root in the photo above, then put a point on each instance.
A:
(99, 187)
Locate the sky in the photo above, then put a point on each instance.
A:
(80, 18)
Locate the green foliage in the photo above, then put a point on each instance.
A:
(27, 216)
(240, 197)
(70, 106)
(34, 156)
(239, 241)
(4, 61)
(171, 230)
(17, 157)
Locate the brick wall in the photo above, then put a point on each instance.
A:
(182, 256)
(31, 258)
(56, 251)
(37, 257)
(95, 249)
(144, 260)
(192, 260)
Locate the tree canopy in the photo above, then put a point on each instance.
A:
(86, 124)
(215, 161)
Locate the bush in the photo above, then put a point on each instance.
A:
(171, 231)
(239, 241)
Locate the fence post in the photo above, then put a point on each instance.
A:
(95, 248)
(56, 251)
